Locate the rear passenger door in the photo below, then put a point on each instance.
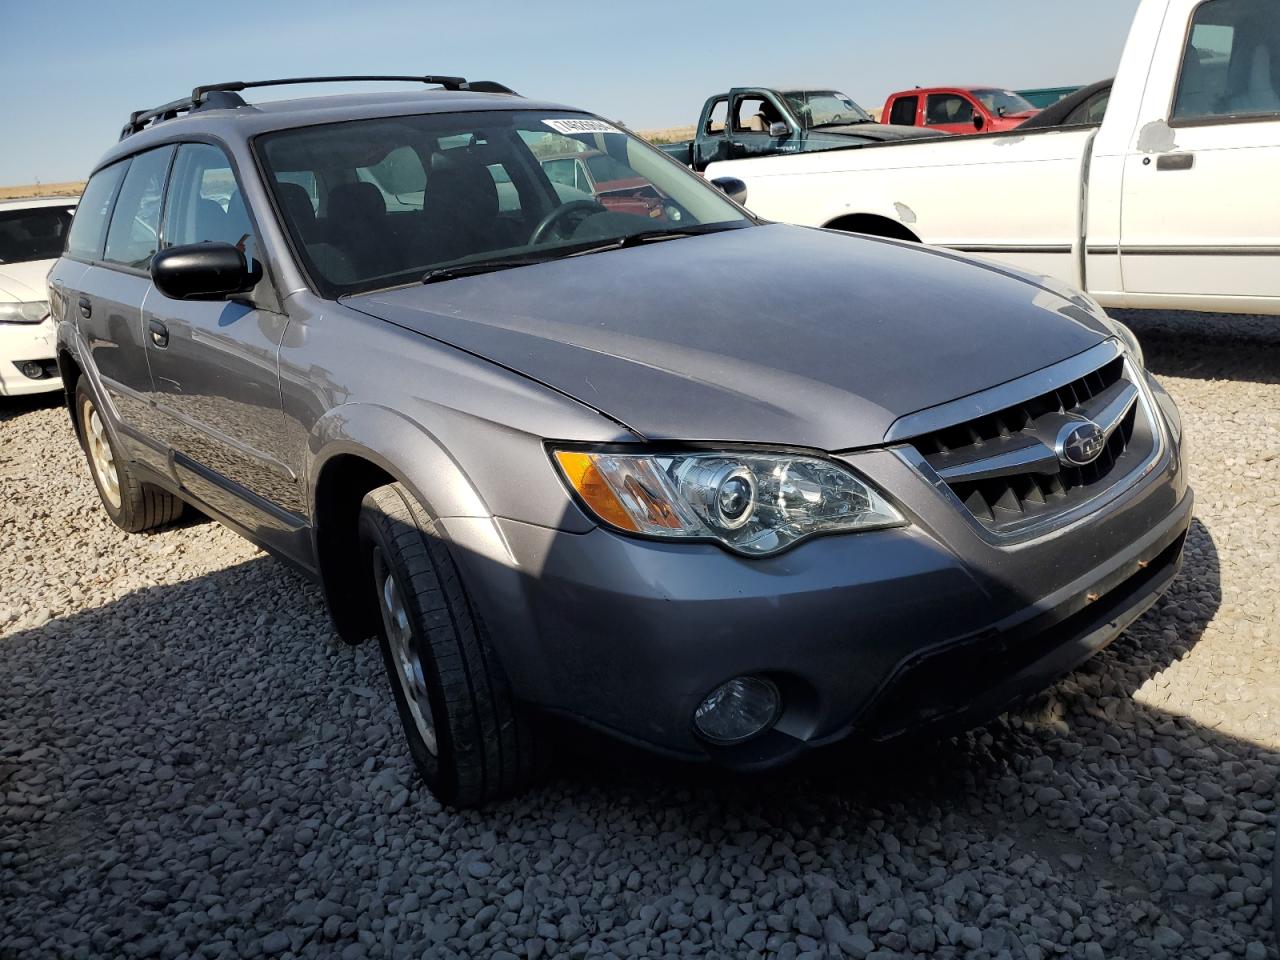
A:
(107, 303)
(214, 364)
(903, 112)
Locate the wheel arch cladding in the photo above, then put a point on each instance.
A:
(874, 224)
(357, 448)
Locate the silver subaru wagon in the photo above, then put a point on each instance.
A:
(610, 448)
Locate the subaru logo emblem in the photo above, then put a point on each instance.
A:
(1080, 442)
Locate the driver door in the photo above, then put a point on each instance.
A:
(751, 113)
(215, 384)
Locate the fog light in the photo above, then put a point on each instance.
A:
(734, 711)
(33, 370)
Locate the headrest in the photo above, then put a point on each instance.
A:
(356, 201)
(296, 203)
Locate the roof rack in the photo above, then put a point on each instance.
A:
(218, 96)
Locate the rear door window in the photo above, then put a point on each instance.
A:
(400, 177)
(904, 111)
(134, 234)
(89, 228)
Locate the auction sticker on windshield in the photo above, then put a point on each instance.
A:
(580, 126)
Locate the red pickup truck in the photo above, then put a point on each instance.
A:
(957, 109)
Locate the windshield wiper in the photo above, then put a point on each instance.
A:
(576, 250)
(437, 274)
(643, 237)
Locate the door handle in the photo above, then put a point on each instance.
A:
(86, 308)
(159, 333)
(1175, 161)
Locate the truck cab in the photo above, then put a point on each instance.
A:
(958, 110)
(751, 122)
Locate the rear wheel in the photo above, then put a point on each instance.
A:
(468, 737)
(132, 505)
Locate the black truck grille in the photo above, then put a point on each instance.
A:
(1005, 466)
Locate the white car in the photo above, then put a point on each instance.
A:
(1170, 203)
(32, 233)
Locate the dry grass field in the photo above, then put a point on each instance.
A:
(668, 134)
(72, 189)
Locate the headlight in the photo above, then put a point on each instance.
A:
(752, 503)
(33, 311)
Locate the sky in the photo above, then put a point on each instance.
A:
(73, 70)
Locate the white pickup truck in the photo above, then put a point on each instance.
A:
(1172, 202)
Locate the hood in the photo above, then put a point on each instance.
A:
(879, 132)
(21, 282)
(769, 334)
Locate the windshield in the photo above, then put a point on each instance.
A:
(1003, 102)
(36, 233)
(382, 202)
(821, 108)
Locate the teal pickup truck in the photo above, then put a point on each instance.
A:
(759, 121)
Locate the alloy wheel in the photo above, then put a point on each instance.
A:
(404, 655)
(101, 458)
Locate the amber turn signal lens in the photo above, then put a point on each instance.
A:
(581, 472)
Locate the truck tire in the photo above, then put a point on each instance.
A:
(470, 740)
(132, 505)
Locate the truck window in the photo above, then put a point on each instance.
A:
(717, 118)
(1091, 112)
(1231, 64)
(753, 115)
(943, 108)
(904, 111)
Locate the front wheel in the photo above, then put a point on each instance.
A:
(132, 505)
(468, 737)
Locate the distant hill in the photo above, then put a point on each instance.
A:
(73, 189)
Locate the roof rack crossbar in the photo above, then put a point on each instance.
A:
(235, 86)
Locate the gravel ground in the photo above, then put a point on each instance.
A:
(192, 765)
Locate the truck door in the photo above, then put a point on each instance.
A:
(751, 115)
(950, 112)
(903, 112)
(1200, 220)
(711, 141)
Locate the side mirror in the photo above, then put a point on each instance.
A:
(978, 122)
(731, 187)
(202, 271)
(779, 129)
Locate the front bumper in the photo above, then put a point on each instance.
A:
(21, 342)
(870, 635)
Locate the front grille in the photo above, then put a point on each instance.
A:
(1005, 466)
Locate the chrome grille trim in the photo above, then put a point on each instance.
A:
(1040, 507)
(1005, 395)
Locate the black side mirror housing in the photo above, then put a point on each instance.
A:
(978, 122)
(731, 187)
(203, 271)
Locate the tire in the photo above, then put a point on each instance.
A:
(132, 505)
(470, 740)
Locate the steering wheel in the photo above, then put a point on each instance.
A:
(582, 208)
